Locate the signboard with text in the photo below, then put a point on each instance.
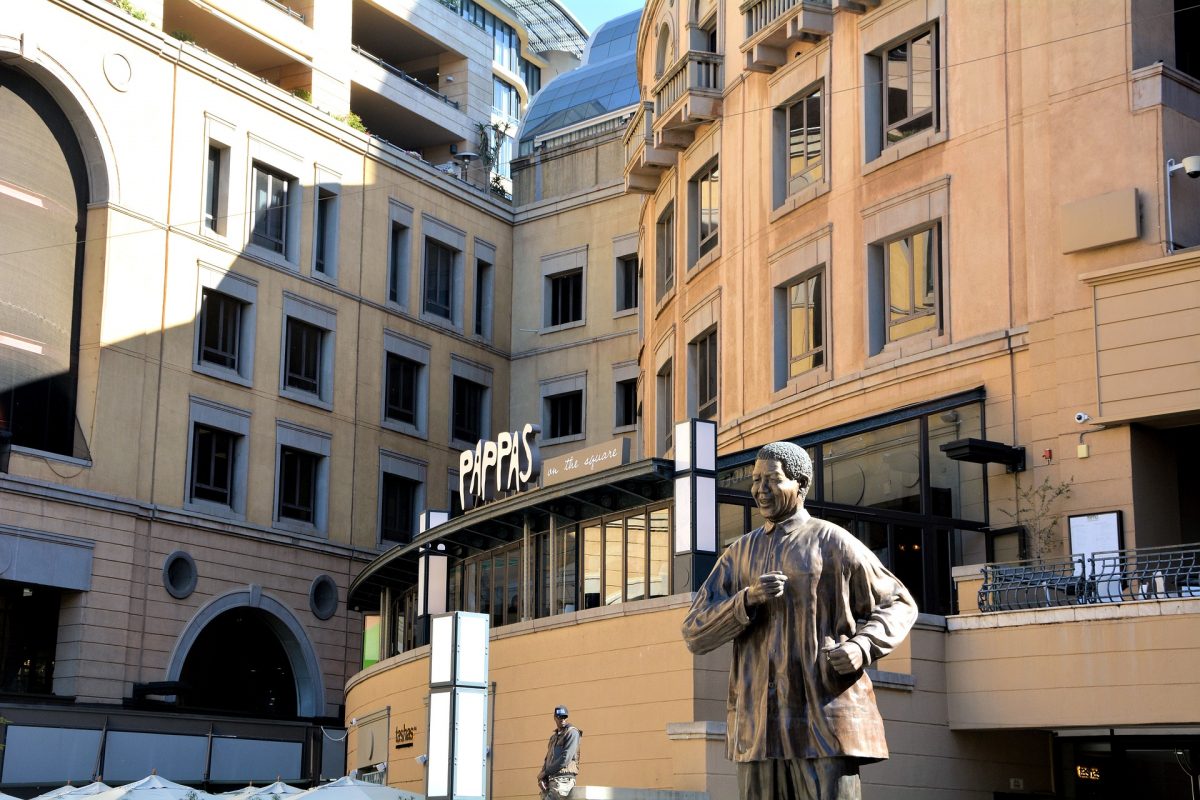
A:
(585, 462)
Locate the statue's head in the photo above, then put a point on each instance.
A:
(781, 479)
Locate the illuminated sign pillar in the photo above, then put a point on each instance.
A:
(695, 545)
(458, 707)
(432, 587)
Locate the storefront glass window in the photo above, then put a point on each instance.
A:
(876, 469)
(635, 561)
(660, 552)
(612, 562)
(731, 522)
(592, 559)
(565, 579)
(956, 487)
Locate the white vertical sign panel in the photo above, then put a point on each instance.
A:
(683, 514)
(437, 782)
(471, 645)
(441, 649)
(470, 743)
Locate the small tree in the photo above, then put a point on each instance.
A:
(1035, 510)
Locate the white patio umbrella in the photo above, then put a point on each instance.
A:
(73, 791)
(276, 789)
(154, 787)
(349, 789)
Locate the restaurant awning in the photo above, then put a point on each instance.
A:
(503, 521)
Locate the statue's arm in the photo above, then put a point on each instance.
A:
(885, 609)
(719, 612)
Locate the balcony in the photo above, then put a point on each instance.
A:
(1147, 329)
(773, 25)
(688, 94)
(644, 162)
(1105, 640)
(403, 109)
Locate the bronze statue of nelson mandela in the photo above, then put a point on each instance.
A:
(808, 607)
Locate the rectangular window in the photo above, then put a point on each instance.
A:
(566, 298)
(505, 98)
(627, 283)
(613, 588)
(297, 484)
(564, 415)
(531, 75)
(398, 508)
(439, 279)
(212, 465)
(911, 270)
(302, 356)
(468, 410)
(805, 324)
(269, 220)
(325, 242)
(805, 142)
(705, 356)
(705, 197)
(626, 403)
(909, 90)
(214, 187)
(666, 408)
(483, 298)
(402, 389)
(564, 581)
(664, 252)
(220, 329)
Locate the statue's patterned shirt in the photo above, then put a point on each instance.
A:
(785, 699)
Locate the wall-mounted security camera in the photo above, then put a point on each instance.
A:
(1082, 417)
(1191, 165)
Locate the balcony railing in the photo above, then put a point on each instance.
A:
(289, 11)
(760, 14)
(404, 76)
(638, 133)
(695, 71)
(1147, 573)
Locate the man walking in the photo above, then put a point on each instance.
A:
(557, 778)
(808, 608)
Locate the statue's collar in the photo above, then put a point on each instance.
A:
(789, 525)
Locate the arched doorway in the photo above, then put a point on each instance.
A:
(245, 652)
(44, 191)
(238, 664)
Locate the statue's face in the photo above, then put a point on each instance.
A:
(772, 489)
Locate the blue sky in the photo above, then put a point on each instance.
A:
(594, 12)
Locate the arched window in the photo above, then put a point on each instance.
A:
(43, 218)
(662, 57)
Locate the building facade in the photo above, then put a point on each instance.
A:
(256, 270)
(943, 247)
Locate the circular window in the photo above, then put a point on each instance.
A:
(323, 597)
(179, 574)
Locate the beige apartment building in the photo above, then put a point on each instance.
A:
(951, 249)
(256, 266)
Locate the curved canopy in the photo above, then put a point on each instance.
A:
(550, 25)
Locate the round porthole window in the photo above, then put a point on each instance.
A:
(179, 574)
(323, 597)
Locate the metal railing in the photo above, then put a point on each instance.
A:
(695, 71)
(762, 14)
(639, 132)
(404, 76)
(291, 12)
(1146, 573)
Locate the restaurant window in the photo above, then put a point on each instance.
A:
(593, 560)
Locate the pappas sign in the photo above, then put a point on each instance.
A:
(510, 464)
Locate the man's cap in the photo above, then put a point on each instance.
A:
(560, 711)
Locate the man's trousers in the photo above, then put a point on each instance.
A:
(799, 779)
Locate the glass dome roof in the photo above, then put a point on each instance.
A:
(605, 82)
